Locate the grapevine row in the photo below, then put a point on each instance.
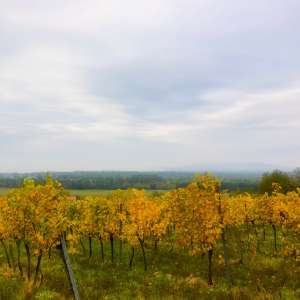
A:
(196, 218)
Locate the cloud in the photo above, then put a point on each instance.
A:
(138, 85)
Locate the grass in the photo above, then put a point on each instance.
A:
(171, 275)
(81, 193)
(103, 192)
(3, 191)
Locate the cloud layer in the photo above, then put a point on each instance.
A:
(146, 85)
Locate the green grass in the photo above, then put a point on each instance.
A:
(103, 192)
(171, 275)
(89, 192)
(81, 193)
(3, 191)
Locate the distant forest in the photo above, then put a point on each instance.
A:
(109, 180)
(123, 180)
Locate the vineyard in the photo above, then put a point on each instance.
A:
(188, 243)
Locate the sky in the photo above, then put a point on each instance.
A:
(149, 85)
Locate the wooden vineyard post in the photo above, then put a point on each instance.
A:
(68, 267)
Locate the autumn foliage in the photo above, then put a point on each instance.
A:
(196, 219)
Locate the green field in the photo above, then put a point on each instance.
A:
(104, 192)
(4, 191)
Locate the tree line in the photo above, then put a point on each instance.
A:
(236, 182)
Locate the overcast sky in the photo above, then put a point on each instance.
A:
(149, 85)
